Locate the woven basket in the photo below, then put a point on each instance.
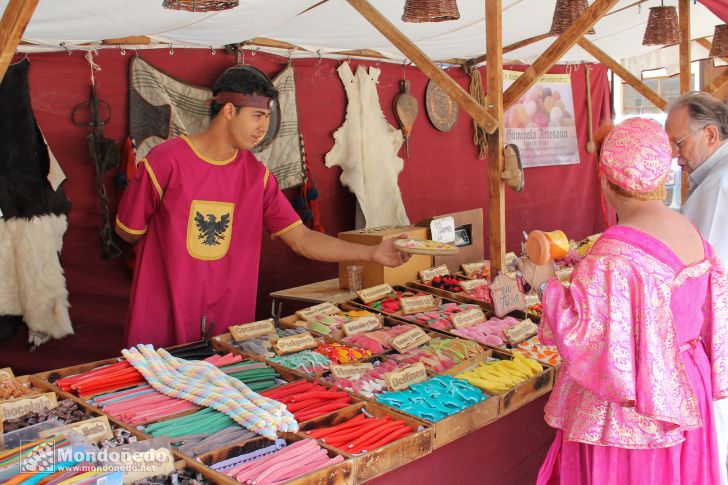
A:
(566, 13)
(720, 41)
(200, 5)
(430, 11)
(662, 27)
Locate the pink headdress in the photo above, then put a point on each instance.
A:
(636, 155)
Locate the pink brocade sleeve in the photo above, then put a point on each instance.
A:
(592, 325)
(715, 331)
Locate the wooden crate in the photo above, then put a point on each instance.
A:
(527, 390)
(388, 457)
(52, 376)
(339, 474)
(466, 421)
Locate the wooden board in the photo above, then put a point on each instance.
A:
(388, 457)
(321, 291)
(527, 390)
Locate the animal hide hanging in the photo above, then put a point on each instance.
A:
(163, 107)
(33, 222)
(366, 147)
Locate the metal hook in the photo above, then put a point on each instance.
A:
(404, 69)
(345, 59)
(290, 55)
(212, 50)
(379, 62)
(122, 51)
(63, 44)
(136, 53)
(318, 53)
(255, 51)
(171, 50)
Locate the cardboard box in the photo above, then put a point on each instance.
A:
(469, 238)
(376, 274)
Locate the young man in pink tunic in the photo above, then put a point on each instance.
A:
(198, 206)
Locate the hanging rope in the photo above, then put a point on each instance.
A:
(479, 135)
(92, 65)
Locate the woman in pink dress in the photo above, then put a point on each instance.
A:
(643, 332)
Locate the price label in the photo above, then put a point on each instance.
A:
(294, 343)
(6, 374)
(470, 285)
(409, 340)
(252, 330)
(94, 429)
(347, 371)
(521, 331)
(361, 325)
(142, 464)
(375, 293)
(402, 379)
(443, 229)
(532, 300)
(417, 304)
(506, 295)
(309, 314)
(467, 318)
(471, 269)
(564, 274)
(15, 408)
(427, 275)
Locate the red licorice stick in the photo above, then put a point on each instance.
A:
(336, 433)
(294, 407)
(110, 382)
(111, 374)
(285, 390)
(400, 433)
(322, 410)
(289, 398)
(317, 395)
(99, 370)
(350, 434)
(363, 442)
(314, 406)
(355, 421)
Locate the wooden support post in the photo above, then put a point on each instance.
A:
(556, 51)
(496, 139)
(15, 18)
(684, 19)
(623, 73)
(718, 81)
(425, 64)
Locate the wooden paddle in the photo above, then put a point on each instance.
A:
(405, 110)
(590, 147)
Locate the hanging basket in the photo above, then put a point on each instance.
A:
(566, 13)
(662, 27)
(720, 41)
(200, 5)
(430, 11)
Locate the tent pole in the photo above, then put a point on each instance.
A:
(15, 18)
(623, 73)
(496, 139)
(684, 19)
(425, 64)
(556, 51)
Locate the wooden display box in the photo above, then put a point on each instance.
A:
(466, 421)
(470, 222)
(52, 376)
(375, 274)
(527, 390)
(339, 474)
(388, 457)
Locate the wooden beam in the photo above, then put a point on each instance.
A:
(425, 64)
(510, 48)
(496, 139)
(556, 50)
(15, 18)
(684, 20)
(718, 81)
(623, 73)
(133, 40)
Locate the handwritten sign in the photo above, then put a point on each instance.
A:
(506, 295)
(471, 269)
(309, 314)
(470, 285)
(15, 408)
(402, 379)
(511, 259)
(361, 325)
(467, 318)
(142, 464)
(409, 340)
(252, 330)
(374, 293)
(294, 343)
(564, 274)
(521, 331)
(6, 374)
(347, 371)
(443, 229)
(532, 300)
(94, 429)
(427, 275)
(417, 304)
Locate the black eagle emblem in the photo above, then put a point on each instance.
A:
(210, 230)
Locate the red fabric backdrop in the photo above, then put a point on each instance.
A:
(442, 174)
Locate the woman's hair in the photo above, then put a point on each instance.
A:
(242, 79)
(704, 110)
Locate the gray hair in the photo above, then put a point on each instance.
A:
(704, 110)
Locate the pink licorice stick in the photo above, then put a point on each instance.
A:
(294, 469)
(327, 463)
(263, 459)
(290, 451)
(284, 467)
(101, 399)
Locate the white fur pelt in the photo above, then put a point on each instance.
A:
(32, 283)
(366, 149)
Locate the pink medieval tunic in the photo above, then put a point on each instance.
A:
(644, 341)
(202, 222)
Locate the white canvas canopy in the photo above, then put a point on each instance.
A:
(334, 26)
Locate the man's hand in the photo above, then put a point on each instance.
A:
(387, 254)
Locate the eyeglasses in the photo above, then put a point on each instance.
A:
(678, 143)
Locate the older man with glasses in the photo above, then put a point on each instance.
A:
(697, 124)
